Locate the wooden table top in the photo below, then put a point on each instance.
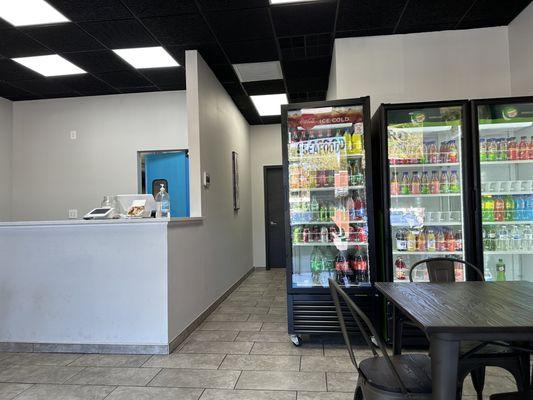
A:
(466, 307)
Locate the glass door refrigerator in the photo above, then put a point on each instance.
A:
(426, 188)
(327, 175)
(503, 133)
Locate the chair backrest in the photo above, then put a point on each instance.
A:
(365, 326)
(442, 269)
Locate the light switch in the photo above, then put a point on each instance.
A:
(73, 214)
(73, 135)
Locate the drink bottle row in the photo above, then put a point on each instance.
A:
(306, 178)
(352, 139)
(348, 267)
(502, 238)
(445, 183)
(502, 149)
(507, 208)
(429, 239)
(420, 273)
(405, 152)
(316, 234)
(348, 209)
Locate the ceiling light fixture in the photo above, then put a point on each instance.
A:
(52, 65)
(147, 57)
(30, 12)
(269, 104)
(289, 1)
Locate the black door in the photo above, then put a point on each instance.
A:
(274, 217)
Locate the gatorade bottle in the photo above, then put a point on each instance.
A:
(482, 150)
(348, 142)
(357, 140)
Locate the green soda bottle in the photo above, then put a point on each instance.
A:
(500, 270)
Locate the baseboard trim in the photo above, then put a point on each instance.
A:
(18, 347)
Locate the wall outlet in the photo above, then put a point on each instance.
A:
(73, 214)
(73, 135)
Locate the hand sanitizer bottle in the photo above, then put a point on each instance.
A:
(163, 203)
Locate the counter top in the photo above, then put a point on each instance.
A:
(82, 222)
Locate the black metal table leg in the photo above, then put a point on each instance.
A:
(444, 364)
(397, 331)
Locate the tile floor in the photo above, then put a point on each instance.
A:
(241, 352)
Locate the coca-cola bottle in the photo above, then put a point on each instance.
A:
(342, 268)
(401, 269)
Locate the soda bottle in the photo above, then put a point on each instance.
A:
(401, 241)
(360, 207)
(443, 152)
(362, 234)
(440, 241)
(454, 183)
(492, 238)
(425, 156)
(430, 241)
(509, 208)
(458, 241)
(305, 235)
(315, 210)
(489, 208)
(434, 186)
(502, 242)
(515, 238)
(498, 149)
(452, 152)
(331, 211)
(362, 265)
(527, 238)
(502, 150)
(342, 267)
(520, 208)
(330, 178)
(530, 148)
(411, 241)
(405, 184)
(492, 149)
(500, 270)
(350, 206)
(499, 209)
(324, 235)
(424, 183)
(394, 184)
(421, 242)
(512, 149)
(401, 269)
(415, 183)
(432, 153)
(528, 215)
(297, 234)
(482, 150)
(357, 139)
(523, 149)
(450, 241)
(444, 182)
(316, 266)
(348, 141)
(358, 175)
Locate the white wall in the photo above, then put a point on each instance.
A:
(424, 66)
(52, 173)
(265, 143)
(207, 258)
(6, 128)
(521, 53)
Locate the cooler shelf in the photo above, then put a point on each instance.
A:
(435, 165)
(425, 195)
(312, 244)
(433, 253)
(506, 162)
(326, 189)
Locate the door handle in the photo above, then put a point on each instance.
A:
(273, 223)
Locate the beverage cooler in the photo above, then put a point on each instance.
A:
(327, 171)
(503, 133)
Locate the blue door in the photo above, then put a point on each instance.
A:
(171, 169)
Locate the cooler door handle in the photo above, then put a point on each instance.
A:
(273, 223)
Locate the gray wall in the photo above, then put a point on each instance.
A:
(52, 173)
(207, 258)
(6, 128)
(521, 53)
(265, 143)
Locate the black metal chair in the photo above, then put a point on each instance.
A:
(475, 356)
(381, 376)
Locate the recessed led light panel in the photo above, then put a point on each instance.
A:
(52, 65)
(269, 104)
(290, 1)
(30, 12)
(147, 57)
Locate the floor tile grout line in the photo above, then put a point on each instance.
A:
(237, 381)
(222, 362)
(151, 380)
(109, 394)
(25, 390)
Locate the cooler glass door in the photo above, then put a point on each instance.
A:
(327, 196)
(426, 187)
(506, 172)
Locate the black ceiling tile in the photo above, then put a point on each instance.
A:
(97, 61)
(157, 8)
(365, 32)
(85, 84)
(319, 83)
(141, 89)
(63, 38)
(271, 119)
(222, 5)
(235, 90)
(176, 86)
(12, 71)
(252, 51)
(123, 79)
(224, 73)
(10, 92)
(421, 15)
(368, 14)
(237, 25)
(14, 43)
(91, 10)
(315, 18)
(492, 13)
(210, 52)
(120, 34)
(427, 27)
(164, 76)
(264, 87)
(45, 87)
(310, 46)
(180, 29)
(307, 68)
(302, 97)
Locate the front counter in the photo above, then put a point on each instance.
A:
(86, 286)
